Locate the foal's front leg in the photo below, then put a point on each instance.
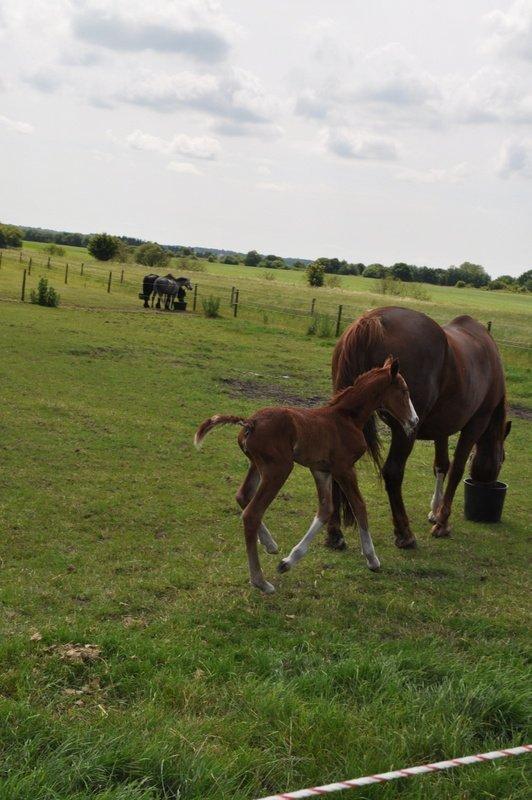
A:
(324, 487)
(349, 485)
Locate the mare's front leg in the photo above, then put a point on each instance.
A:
(393, 473)
(325, 509)
(273, 476)
(244, 496)
(349, 485)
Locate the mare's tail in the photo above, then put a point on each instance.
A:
(219, 419)
(353, 355)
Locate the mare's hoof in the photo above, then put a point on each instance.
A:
(284, 566)
(406, 544)
(440, 531)
(336, 541)
(265, 587)
(374, 566)
(431, 517)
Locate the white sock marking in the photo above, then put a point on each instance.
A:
(368, 550)
(297, 552)
(437, 497)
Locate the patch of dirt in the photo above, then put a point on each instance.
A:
(521, 412)
(76, 653)
(278, 394)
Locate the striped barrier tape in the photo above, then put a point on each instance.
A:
(384, 777)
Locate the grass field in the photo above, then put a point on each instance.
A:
(117, 534)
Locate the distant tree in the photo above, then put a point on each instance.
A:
(374, 271)
(10, 236)
(151, 254)
(525, 278)
(402, 271)
(102, 246)
(315, 274)
(187, 251)
(123, 251)
(54, 249)
(229, 259)
(508, 279)
(252, 259)
(474, 274)
(497, 285)
(212, 259)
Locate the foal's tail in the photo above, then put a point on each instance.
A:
(218, 419)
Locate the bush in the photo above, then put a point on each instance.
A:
(102, 247)
(151, 254)
(417, 291)
(460, 284)
(315, 274)
(497, 285)
(54, 249)
(269, 276)
(252, 259)
(10, 236)
(192, 266)
(229, 259)
(45, 295)
(374, 271)
(321, 326)
(333, 281)
(211, 307)
(212, 259)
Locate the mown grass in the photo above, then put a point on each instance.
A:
(115, 532)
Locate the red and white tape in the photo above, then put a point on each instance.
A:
(400, 773)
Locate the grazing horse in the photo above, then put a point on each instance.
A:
(147, 287)
(328, 440)
(168, 288)
(456, 382)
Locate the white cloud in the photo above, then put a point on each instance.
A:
(271, 186)
(184, 168)
(510, 32)
(455, 174)
(203, 147)
(515, 158)
(194, 28)
(359, 145)
(489, 95)
(16, 125)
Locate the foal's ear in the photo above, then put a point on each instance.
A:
(508, 428)
(393, 364)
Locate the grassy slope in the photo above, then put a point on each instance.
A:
(115, 532)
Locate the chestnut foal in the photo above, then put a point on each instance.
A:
(328, 440)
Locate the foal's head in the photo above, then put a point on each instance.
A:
(396, 398)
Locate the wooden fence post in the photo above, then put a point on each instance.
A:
(235, 303)
(20, 257)
(29, 266)
(122, 277)
(194, 299)
(81, 270)
(489, 326)
(48, 262)
(338, 320)
(312, 305)
(1, 254)
(66, 272)
(23, 292)
(232, 296)
(109, 282)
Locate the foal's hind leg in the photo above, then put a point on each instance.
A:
(323, 485)
(273, 477)
(244, 497)
(441, 467)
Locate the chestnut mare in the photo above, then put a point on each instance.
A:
(456, 382)
(328, 440)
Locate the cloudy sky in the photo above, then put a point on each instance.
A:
(383, 131)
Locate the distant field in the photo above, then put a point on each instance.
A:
(116, 533)
(285, 301)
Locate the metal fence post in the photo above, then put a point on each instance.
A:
(235, 303)
(23, 292)
(109, 282)
(338, 320)
(66, 272)
(195, 298)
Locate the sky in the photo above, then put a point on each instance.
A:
(396, 130)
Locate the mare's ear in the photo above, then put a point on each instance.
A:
(508, 428)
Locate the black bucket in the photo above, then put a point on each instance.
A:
(484, 501)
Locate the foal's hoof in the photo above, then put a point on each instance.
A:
(264, 586)
(406, 544)
(374, 565)
(440, 531)
(431, 517)
(336, 541)
(271, 548)
(284, 566)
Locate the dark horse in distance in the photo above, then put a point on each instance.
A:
(456, 382)
(167, 288)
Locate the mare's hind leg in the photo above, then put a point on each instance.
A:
(467, 439)
(393, 473)
(349, 485)
(441, 468)
(244, 497)
(325, 508)
(273, 476)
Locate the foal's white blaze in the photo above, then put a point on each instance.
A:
(297, 552)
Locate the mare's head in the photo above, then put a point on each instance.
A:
(396, 397)
(488, 456)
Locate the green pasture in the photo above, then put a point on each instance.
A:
(116, 533)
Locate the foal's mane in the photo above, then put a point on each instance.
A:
(358, 387)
